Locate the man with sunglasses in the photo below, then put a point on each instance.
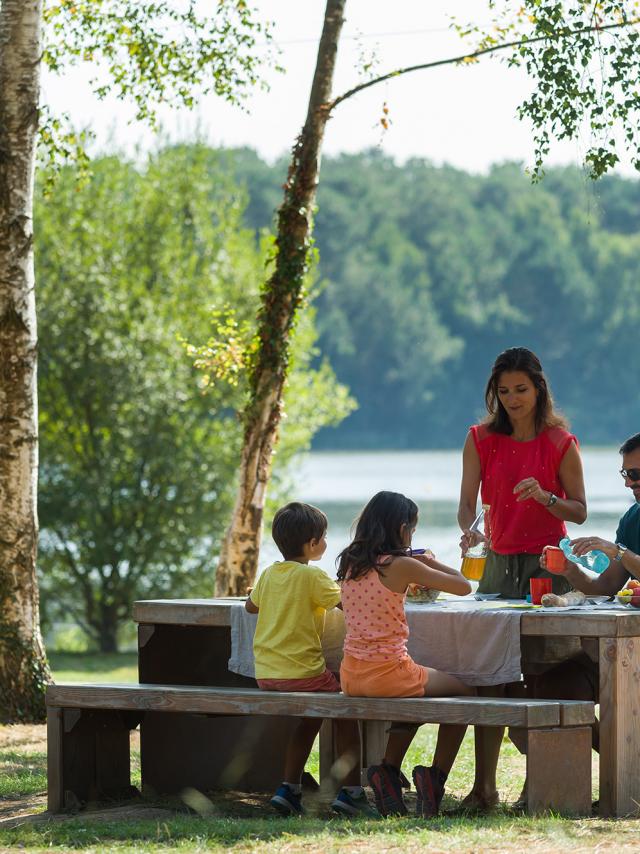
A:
(624, 553)
(578, 677)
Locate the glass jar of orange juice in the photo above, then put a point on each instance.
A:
(475, 557)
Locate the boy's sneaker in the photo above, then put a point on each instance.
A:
(346, 804)
(387, 789)
(286, 801)
(429, 783)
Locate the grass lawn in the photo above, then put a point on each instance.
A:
(245, 823)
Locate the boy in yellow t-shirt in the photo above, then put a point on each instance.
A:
(291, 599)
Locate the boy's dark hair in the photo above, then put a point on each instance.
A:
(630, 444)
(296, 524)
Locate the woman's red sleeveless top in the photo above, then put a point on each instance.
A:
(523, 527)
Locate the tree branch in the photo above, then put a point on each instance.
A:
(454, 60)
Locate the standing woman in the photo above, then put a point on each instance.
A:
(527, 466)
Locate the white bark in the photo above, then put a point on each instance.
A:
(281, 300)
(22, 660)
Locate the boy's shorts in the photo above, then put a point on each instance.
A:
(324, 682)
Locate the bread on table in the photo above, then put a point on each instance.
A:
(574, 597)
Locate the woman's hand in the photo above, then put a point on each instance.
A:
(587, 544)
(468, 539)
(530, 488)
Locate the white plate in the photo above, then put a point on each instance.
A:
(598, 600)
(481, 597)
(558, 607)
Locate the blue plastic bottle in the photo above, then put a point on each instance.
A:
(596, 560)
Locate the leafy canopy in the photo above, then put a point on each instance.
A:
(138, 464)
(583, 59)
(149, 52)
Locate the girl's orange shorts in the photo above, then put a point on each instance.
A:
(393, 678)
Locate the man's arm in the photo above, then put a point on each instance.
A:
(631, 562)
(250, 607)
(606, 584)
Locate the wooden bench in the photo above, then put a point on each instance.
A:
(88, 728)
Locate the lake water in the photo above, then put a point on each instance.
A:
(341, 483)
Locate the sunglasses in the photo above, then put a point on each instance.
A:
(632, 474)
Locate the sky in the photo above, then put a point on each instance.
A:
(461, 115)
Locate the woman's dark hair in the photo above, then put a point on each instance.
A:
(378, 532)
(520, 359)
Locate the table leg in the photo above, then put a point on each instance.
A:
(619, 726)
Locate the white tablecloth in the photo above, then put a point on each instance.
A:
(477, 641)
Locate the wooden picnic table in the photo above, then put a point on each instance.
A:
(187, 641)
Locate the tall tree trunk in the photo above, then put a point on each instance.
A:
(108, 628)
(23, 667)
(281, 298)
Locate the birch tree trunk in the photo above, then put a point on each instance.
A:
(281, 298)
(23, 668)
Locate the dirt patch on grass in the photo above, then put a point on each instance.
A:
(30, 738)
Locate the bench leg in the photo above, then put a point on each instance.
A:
(55, 790)
(87, 758)
(373, 739)
(559, 770)
(375, 735)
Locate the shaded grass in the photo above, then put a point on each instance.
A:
(94, 667)
(22, 774)
(498, 833)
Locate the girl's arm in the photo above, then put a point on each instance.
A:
(408, 570)
(429, 560)
(469, 488)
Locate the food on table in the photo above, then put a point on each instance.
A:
(629, 593)
(415, 593)
(575, 597)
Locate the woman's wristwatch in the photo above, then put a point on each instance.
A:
(552, 499)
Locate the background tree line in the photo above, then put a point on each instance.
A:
(138, 451)
(427, 272)
(424, 274)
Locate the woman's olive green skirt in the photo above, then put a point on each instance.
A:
(509, 575)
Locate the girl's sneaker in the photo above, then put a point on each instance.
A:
(286, 802)
(387, 789)
(346, 804)
(429, 783)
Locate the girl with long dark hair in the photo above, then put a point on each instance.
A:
(375, 571)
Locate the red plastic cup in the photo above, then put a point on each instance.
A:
(554, 559)
(538, 587)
